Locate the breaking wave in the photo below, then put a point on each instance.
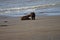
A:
(46, 9)
(29, 7)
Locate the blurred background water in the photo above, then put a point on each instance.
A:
(17, 8)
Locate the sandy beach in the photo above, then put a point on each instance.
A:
(43, 28)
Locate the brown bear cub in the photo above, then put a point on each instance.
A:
(25, 17)
(32, 15)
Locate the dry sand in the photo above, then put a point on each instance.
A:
(43, 28)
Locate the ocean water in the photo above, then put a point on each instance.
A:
(16, 8)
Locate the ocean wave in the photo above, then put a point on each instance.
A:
(29, 7)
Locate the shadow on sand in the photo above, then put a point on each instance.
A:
(3, 25)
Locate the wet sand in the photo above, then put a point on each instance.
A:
(43, 28)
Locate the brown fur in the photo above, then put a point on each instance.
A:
(32, 15)
(25, 17)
